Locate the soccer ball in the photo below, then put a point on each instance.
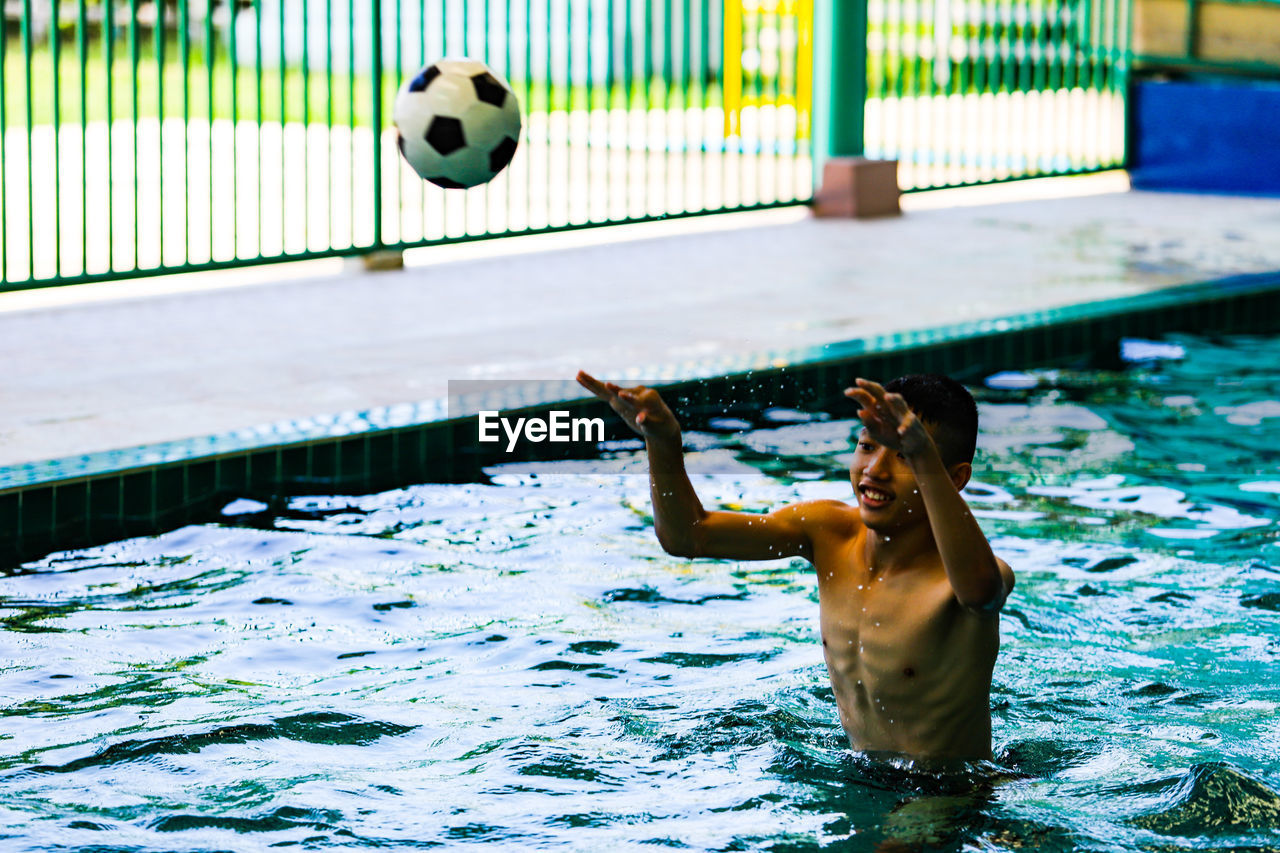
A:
(458, 123)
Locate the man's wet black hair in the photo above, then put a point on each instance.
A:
(947, 406)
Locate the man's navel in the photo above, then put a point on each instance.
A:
(909, 672)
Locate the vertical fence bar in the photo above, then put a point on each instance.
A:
(991, 83)
(466, 51)
(571, 99)
(210, 54)
(686, 102)
(375, 80)
(552, 101)
(328, 121)
(82, 57)
(769, 158)
(662, 61)
(611, 48)
(283, 61)
(891, 74)
(109, 72)
(528, 106)
(158, 41)
(702, 64)
(804, 85)
(1009, 82)
(351, 120)
(751, 162)
(26, 56)
(507, 71)
(965, 105)
(646, 102)
(306, 125)
(1026, 80)
(907, 148)
(4, 184)
(589, 105)
(184, 51)
(133, 122)
(730, 77)
(55, 62)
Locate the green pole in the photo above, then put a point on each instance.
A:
(839, 80)
(376, 82)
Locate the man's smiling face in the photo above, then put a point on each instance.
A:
(885, 485)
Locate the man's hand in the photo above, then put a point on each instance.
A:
(641, 407)
(888, 418)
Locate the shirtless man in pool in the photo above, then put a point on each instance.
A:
(909, 590)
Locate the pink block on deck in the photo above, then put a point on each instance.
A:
(858, 188)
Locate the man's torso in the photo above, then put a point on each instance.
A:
(910, 667)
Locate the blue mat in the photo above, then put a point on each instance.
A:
(1220, 136)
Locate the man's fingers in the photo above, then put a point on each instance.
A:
(897, 404)
(595, 386)
(871, 407)
(862, 398)
(875, 389)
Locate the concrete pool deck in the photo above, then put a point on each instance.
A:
(103, 367)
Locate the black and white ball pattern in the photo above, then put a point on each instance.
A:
(459, 123)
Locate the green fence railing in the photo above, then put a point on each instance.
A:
(180, 135)
(176, 135)
(975, 91)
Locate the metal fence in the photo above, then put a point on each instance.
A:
(158, 137)
(147, 137)
(974, 91)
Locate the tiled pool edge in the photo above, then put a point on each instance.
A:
(72, 503)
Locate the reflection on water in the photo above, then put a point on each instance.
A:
(517, 662)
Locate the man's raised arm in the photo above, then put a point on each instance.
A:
(684, 528)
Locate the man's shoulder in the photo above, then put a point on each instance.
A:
(826, 514)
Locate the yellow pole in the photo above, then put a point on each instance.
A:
(804, 67)
(732, 82)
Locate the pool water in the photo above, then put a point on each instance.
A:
(517, 663)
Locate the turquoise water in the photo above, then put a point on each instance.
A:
(517, 663)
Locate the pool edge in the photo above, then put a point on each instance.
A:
(85, 500)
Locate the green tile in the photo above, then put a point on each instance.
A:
(10, 521)
(353, 462)
(264, 471)
(37, 511)
(71, 513)
(324, 460)
(170, 499)
(105, 508)
(138, 501)
(295, 464)
(202, 480)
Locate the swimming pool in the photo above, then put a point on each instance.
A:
(517, 662)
